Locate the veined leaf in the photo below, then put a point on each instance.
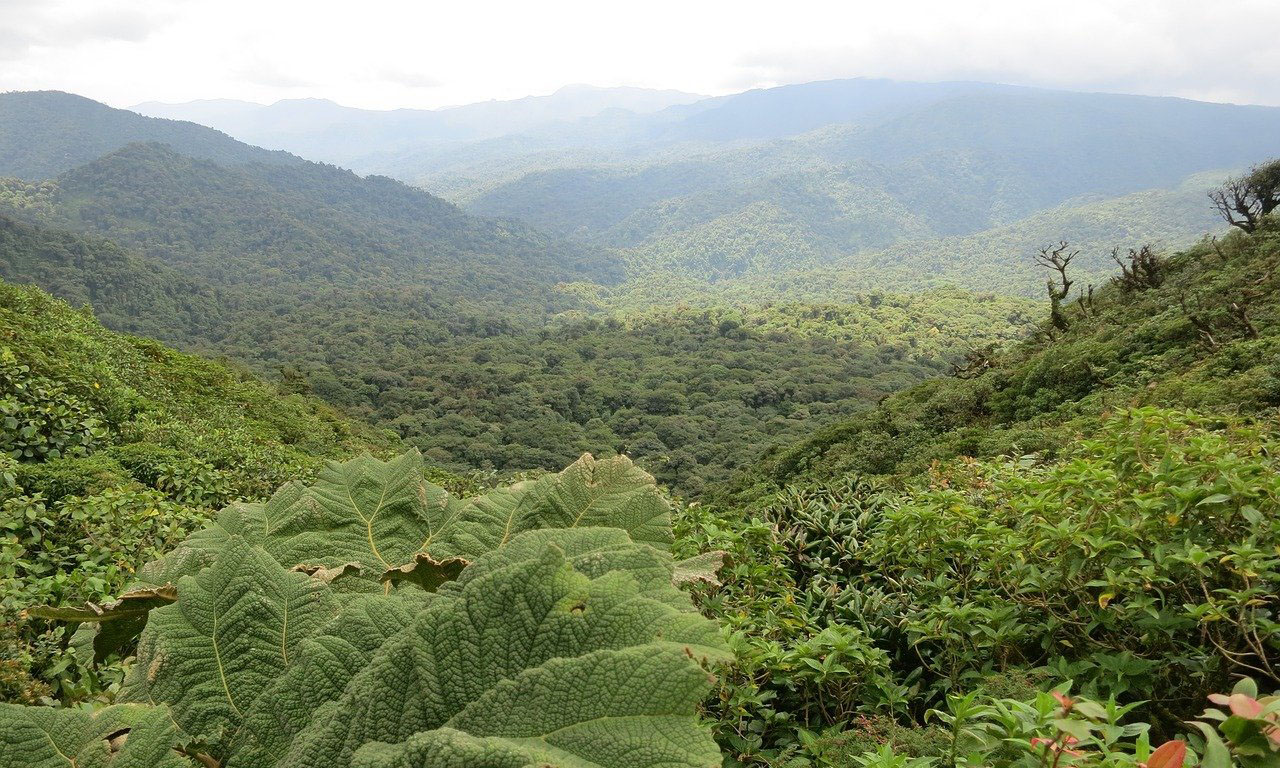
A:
(122, 736)
(377, 514)
(234, 629)
(505, 626)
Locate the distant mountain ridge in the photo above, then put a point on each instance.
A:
(932, 164)
(44, 133)
(320, 129)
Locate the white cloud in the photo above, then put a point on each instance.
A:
(391, 53)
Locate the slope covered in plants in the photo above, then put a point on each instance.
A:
(1057, 553)
(127, 292)
(43, 133)
(112, 448)
(374, 619)
(1200, 332)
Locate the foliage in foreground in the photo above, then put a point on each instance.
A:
(112, 449)
(373, 619)
(1143, 564)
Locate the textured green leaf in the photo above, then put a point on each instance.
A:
(526, 621)
(324, 664)
(632, 707)
(590, 492)
(123, 736)
(378, 514)
(552, 601)
(234, 629)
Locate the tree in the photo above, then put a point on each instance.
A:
(1244, 201)
(1058, 259)
(1142, 270)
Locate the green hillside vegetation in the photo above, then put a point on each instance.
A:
(898, 180)
(692, 393)
(465, 366)
(1094, 511)
(128, 292)
(1204, 338)
(306, 223)
(786, 259)
(1053, 557)
(111, 448)
(482, 342)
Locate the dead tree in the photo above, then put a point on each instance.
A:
(1085, 303)
(1057, 259)
(1199, 320)
(1244, 201)
(1140, 270)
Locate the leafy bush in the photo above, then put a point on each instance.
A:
(1143, 563)
(373, 619)
(38, 419)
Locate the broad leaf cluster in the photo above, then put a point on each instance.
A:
(373, 619)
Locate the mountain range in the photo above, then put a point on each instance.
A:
(844, 172)
(320, 129)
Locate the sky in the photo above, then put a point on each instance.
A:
(383, 54)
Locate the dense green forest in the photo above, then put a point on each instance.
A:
(1059, 549)
(692, 393)
(907, 177)
(482, 342)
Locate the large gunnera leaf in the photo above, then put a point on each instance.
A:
(123, 736)
(377, 520)
(234, 629)
(589, 669)
(330, 659)
(590, 492)
(370, 619)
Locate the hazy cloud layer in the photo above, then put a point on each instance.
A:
(385, 53)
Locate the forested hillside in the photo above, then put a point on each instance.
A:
(112, 448)
(476, 340)
(691, 393)
(867, 187)
(1062, 548)
(1199, 332)
(900, 515)
(129, 293)
(304, 223)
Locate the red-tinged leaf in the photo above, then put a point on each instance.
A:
(1170, 754)
(1063, 699)
(1221, 699)
(1245, 706)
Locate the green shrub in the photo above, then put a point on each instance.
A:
(38, 419)
(56, 479)
(1143, 563)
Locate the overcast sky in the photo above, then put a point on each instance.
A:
(384, 54)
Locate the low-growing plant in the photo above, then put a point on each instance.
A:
(373, 619)
(38, 419)
(1141, 563)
